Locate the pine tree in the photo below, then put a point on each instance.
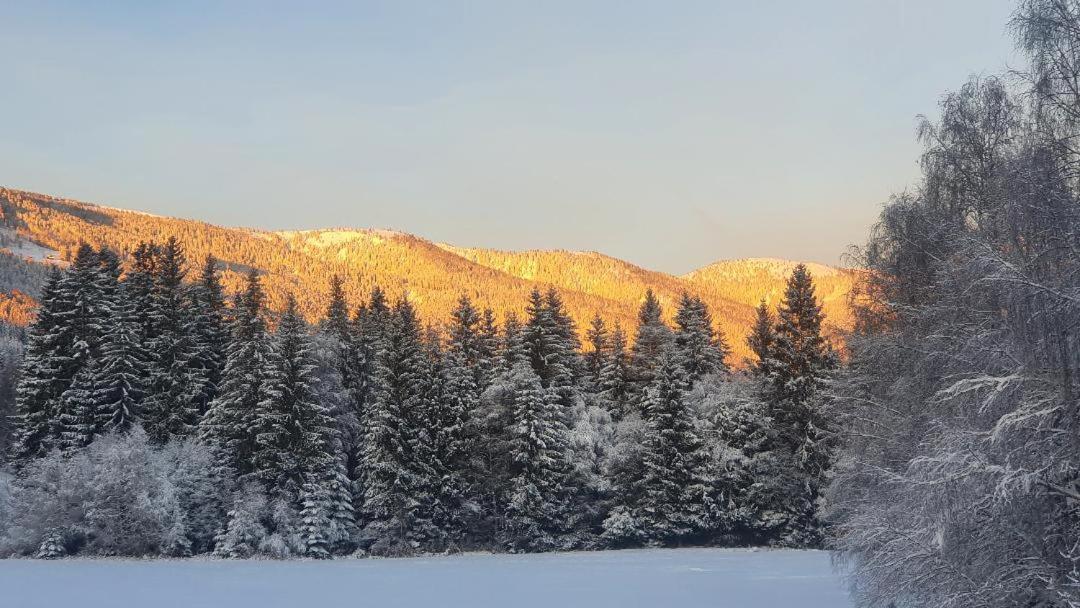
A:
(598, 339)
(119, 385)
(397, 469)
(464, 335)
(77, 421)
(78, 314)
(761, 338)
(450, 400)
(550, 340)
(294, 432)
(538, 506)
(370, 327)
(473, 341)
(488, 346)
(700, 349)
(512, 344)
(314, 520)
(674, 485)
(229, 425)
(41, 374)
(615, 375)
(140, 281)
(210, 334)
(800, 363)
(652, 339)
(172, 403)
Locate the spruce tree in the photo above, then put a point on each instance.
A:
(397, 470)
(464, 334)
(81, 315)
(615, 375)
(674, 485)
(761, 338)
(800, 363)
(700, 349)
(40, 375)
(229, 425)
(119, 386)
(598, 339)
(488, 346)
(370, 327)
(294, 432)
(210, 334)
(538, 505)
(512, 344)
(550, 341)
(173, 388)
(652, 339)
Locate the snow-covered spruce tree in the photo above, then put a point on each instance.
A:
(173, 388)
(397, 467)
(229, 426)
(464, 332)
(77, 419)
(550, 341)
(800, 364)
(296, 438)
(370, 327)
(699, 347)
(81, 324)
(139, 280)
(599, 340)
(40, 384)
(449, 400)
(210, 333)
(538, 501)
(751, 479)
(488, 345)
(337, 326)
(512, 344)
(674, 490)
(653, 338)
(294, 432)
(614, 383)
(761, 338)
(119, 381)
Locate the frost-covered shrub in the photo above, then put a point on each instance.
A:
(113, 498)
(187, 464)
(258, 526)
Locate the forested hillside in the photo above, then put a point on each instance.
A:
(433, 276)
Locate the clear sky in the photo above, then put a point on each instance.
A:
(667, 133)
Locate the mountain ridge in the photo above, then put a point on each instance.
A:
(432, 274)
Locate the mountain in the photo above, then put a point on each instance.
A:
(37, 229)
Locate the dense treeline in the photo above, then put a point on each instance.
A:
(959, 481)
(154, 417)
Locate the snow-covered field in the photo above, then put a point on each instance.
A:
(679, 578)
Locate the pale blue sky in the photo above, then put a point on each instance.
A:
(671, 134)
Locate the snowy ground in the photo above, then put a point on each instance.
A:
(680, 578)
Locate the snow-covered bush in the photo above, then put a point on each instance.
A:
(113, 498)
(258, 526)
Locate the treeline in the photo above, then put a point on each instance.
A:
(154, 417)
(959, 481)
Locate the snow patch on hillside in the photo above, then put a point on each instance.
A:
(744, 267)
(25, 248)
(338, 237)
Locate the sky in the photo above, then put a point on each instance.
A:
(670, 134)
